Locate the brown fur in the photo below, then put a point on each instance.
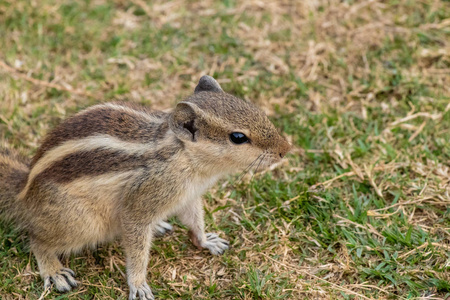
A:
(118, 170)
(105, 120)
(13, 175)
(99, 161)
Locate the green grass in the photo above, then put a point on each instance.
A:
(358, 210)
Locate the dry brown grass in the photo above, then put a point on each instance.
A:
(361, 88)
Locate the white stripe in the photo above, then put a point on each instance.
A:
(114, 106)
(89, 143)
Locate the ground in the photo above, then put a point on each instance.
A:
(360, 207)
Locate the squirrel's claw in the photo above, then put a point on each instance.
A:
(144, 292)
(215, 244)
(63, 280)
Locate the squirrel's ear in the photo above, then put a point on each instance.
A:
(183, 121)
(208, 84)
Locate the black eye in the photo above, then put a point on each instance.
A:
(238, 138)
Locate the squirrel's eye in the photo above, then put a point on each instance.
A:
(238, 138)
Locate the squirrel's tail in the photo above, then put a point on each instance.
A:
(13, 177)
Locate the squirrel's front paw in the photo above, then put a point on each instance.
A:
(63, 280)
(143, 291)
(215, 244)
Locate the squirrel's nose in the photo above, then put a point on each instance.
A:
(285, 147)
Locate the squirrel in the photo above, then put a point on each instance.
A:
(119, 170)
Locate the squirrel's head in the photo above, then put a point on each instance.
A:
(225, 131)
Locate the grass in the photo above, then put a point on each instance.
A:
(359, 209)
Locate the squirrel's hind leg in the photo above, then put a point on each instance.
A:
(162, 228)
(52, 271)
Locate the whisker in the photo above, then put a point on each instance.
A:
(248, 168)
(260, 161)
